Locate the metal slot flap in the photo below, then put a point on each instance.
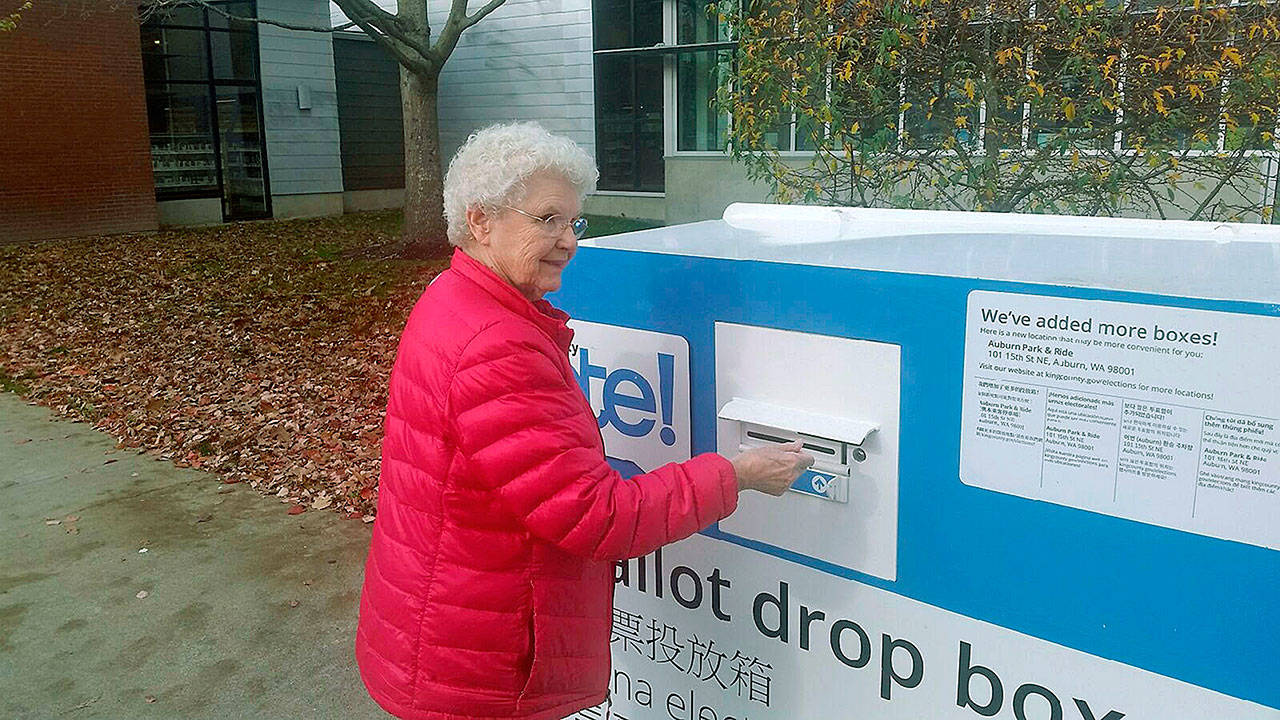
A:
(803, 422)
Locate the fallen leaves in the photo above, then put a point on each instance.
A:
(257, 351)
(68, 523)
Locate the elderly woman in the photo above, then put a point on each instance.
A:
(488, 589)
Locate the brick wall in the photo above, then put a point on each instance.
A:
(75, 155)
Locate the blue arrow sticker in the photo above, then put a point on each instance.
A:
(812, 482)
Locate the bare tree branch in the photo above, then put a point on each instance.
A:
(396, 35)
(391, 36)
(458, 22)
(366, 10)
(482, 12)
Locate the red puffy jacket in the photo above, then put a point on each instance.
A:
(488, 590)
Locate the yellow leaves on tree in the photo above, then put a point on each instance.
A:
(1009, 86)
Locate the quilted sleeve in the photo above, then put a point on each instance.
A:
(528, 436)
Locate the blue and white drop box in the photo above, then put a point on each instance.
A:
(1047, 478)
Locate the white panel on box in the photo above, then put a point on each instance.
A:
(818, 376)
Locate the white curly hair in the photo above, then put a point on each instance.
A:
(490, 168)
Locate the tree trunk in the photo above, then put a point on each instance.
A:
(424, 225)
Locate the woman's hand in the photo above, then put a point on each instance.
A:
(771, 469)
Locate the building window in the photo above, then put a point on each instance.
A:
(699, 125)
(182, 154)
(204, 106)
(659, 65)
(703, 64)
(629, 93)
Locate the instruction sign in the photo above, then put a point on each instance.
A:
(1159, 414)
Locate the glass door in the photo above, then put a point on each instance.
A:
(241, 142)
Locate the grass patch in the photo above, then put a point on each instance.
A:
(325, 252)
(601, 225)
(9, 383)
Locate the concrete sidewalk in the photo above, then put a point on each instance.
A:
(248, 613)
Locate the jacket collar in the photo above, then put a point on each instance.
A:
(549, 319)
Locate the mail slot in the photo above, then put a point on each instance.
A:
(834, 442)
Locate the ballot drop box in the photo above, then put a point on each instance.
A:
(1047, 477)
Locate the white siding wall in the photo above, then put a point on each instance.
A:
(528, 60)
(303, 154)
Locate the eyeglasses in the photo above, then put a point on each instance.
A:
(554, 225)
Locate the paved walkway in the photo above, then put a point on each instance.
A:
(248, 612)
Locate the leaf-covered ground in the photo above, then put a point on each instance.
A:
(258, 351)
